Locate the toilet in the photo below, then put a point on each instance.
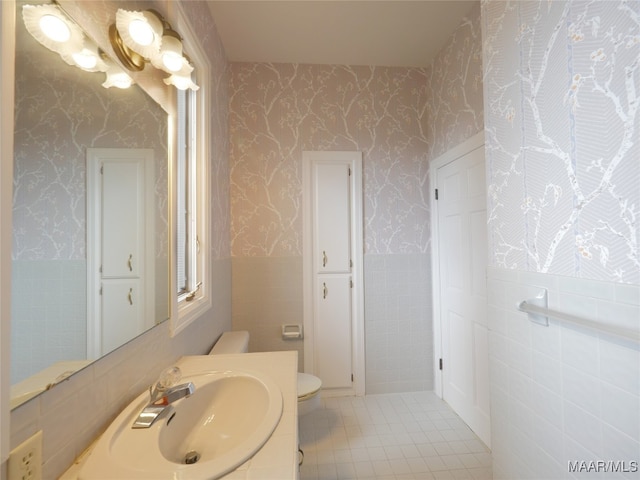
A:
(308, 385)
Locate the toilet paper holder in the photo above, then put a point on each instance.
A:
(292, 332)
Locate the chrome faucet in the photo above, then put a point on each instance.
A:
(162, 395)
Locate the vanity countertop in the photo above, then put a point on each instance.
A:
(278, 458)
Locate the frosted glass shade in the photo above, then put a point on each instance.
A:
(51, 28)
(140, 31)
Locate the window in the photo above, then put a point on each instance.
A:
(186, 198)
(191, 272)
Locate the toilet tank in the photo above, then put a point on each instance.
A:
(231, 342)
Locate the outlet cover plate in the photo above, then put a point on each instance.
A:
(25, 461)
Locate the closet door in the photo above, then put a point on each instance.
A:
(333, 330)
(332, 215)
(121, 312)
(120, 255)
(333, 210)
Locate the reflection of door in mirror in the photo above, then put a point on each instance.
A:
(60, 112)
(120, 269)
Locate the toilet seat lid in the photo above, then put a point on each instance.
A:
(308, 385)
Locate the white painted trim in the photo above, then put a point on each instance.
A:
(307, 266)
(357, 246)
(456, 152)
(7, 79)
(184, 313)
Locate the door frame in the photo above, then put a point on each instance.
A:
(94, 160)
(455, 153)
(357, 273)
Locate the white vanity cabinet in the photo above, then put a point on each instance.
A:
(277, 458)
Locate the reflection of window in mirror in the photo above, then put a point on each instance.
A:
(186, 198)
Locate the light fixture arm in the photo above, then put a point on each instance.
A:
(129, 58)
(145, 37)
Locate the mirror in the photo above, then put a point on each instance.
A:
(63, 116)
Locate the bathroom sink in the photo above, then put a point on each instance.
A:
(221, 425)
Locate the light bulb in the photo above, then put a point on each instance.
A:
(171, 52)
(85, 59)
(55, 28)
(141, 32)
(122, 80)
(116, 77)
(181, 82)
(172, 61)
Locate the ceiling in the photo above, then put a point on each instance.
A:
(344, 32)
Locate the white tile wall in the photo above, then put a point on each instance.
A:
(398, 323)
(267, 293)
(48, 296)
(562, 394)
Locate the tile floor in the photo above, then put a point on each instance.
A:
(405, 436)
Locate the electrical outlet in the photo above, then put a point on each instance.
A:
(25, 461)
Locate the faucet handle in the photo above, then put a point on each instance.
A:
(168, 378)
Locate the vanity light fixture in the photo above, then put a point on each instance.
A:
(136, 37)
(51, 28)
(90, 58)
(145, 37)
(116, 77)
(181, 82)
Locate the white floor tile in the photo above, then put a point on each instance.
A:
(405, 436)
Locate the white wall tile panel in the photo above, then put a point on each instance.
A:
(567, 395)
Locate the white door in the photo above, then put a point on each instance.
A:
(462, 259)
(122, 217)
(122, 312)
(333, 331)
(120, 249)
(332, 219)
(332, 269)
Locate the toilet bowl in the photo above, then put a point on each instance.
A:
(308, 393)
(308, 385)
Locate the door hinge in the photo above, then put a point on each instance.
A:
(352, 377)
(440, 364)
(351, 283)
(349, 171)
(436, 194)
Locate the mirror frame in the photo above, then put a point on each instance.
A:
(7, 79)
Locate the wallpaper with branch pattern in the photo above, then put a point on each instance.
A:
(563, 140)
(279, 110)
(60, 111)
(398, 117)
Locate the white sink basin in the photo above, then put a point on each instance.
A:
(221, 425)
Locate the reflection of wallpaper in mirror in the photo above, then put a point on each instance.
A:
(60, 112)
